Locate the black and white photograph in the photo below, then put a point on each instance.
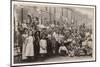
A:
(48, 33)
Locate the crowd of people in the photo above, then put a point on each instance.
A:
(39, 43)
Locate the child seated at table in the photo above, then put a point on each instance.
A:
(63, 50)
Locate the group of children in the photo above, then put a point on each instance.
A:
(29, 47)
(35, 47)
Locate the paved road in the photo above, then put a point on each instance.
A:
(59, 59)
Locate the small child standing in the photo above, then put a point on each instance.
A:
(29, 46)
(43, 47)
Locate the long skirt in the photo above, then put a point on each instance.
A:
(29, 50)
(36, 48)
(24, 51)
(49, 48)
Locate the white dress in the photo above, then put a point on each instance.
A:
(24, 46)
(43, 46)
(55, 35)
(29, 47)
(84, 43)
